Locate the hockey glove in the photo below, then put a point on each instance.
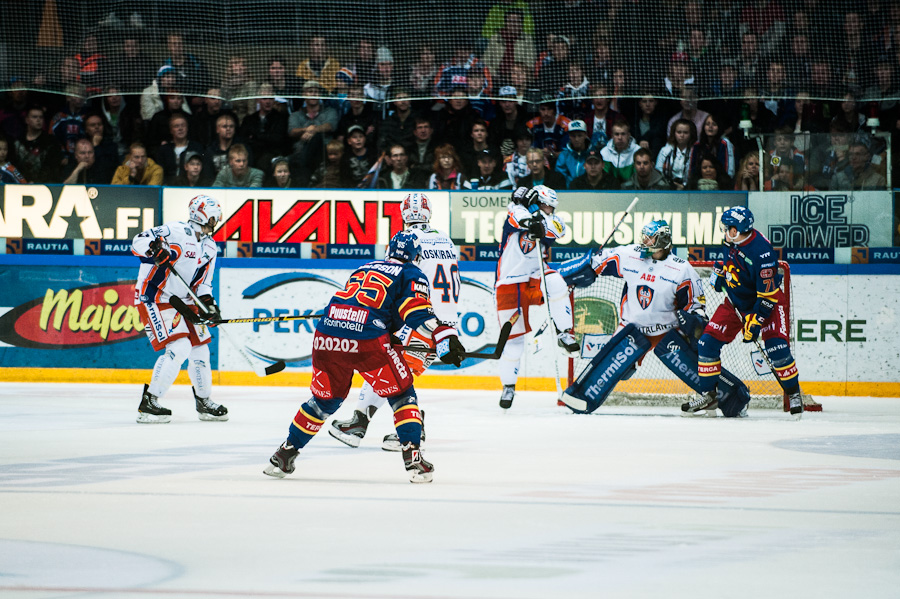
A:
(535, 226)
(752, 326)
(691, 323)
(160, 251)
(212, 314)
(524, 196)
(449, 349)
(717, 277)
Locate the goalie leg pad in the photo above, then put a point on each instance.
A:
(578, 272)
(732, 394)
(613, 363)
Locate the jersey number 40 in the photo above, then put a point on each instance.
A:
(448, 286)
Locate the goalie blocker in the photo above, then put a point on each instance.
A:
(617, 361)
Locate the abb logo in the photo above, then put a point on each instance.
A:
(648, 277)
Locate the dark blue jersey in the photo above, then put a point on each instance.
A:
(379, 298)
(751, 275)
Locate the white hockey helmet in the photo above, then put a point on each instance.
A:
(202, 209)
(416, 208)
(546, 196)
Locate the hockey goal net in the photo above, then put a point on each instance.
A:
(596, 312)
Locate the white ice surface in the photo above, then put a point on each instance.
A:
(535, 502)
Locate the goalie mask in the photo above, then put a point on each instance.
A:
(546, 196)
(655, 236)
(404, 246)
(416, 209)
(203, 209)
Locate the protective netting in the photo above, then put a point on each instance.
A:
(571, 48)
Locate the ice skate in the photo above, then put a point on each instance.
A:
(419, 470)
(351, 432)
(150, 412)
(703, 403)
(506, 399)
(391, 441)
(796, 401)
(567, 341)
(209, 410)
(282, 461)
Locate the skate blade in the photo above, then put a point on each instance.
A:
(506, 404)
(143, 418)
(211, 418)
(348, 440)
(421, 477)
(274, 471)
(391, 445)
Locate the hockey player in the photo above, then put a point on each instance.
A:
(662, 309)
(354, 335)
(439, 265)
(187, 247)
(754, 307)
(531, 227)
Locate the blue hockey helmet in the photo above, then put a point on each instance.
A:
(404, 246)
(656, 235)
(738, 217)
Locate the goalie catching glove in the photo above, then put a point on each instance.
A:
(449, 349)
(161, 252)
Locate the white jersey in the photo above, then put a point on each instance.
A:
(440, 264)
(196, 264)
(519, 258)
(654, 289)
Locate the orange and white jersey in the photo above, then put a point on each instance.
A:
(519, 258)
(654, 289)
(195, 262)
(440, 265)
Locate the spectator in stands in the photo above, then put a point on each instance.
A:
(748, 174)
(884, 93)
(157, 131)
(672, 160)
(860, 175)
(334, 171)
(599, 124)
(516, 164)
(799, 64)
(379, 88)
(541, 173)
(9, 174)
(319, 66)
(238, 172)
(454, 123)
(487, 176)
(13, 109)
(151, 96)
(191, 73)
(510, 122)
(712, 142)
(361, 113)
(826, 162)
(599, 67)
(447, 169)
(283, 84)
(82, 171)
(216, 153)
(689, 110)
(238, 87)
(849, 112)
(618, 153)
(595, 176)
(645, 177)
(782, 153)
(776, 97)
(570, 163)
(400, 124)
(364, 62)
(67, 125)
(728, 105)
(194, 173)
(171, 155)
(131, 64)
(649, 127)
(679, 78)
(766, 19)
(552, 66)
(106, 152)
(138, 169)
(520, 79)
(92, 65)
(123, 119)
(358, 157)
(453, 75)
(310, 129)
(621, 102)
(281, 174)
(205, 116)
(496, 17)
(550, 130)
(37, 153)
(66, 76)
(572, 99)
(265, 131)
(398, 175)
(422, 150)
(478, 143)
(711, 176)
(423, 73)
(476, 91)
(510, 45)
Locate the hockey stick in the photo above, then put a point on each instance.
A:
(265, 319)
(505, 330)
(619, 224)
(183, 309)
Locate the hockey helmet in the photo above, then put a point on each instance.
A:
(404, 246)
(738, 217)
(546, 196)
(202, 209)
(416, 208)
(656, 235)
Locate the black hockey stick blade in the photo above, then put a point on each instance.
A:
(276, 367)
(505, 331)
(183, 309)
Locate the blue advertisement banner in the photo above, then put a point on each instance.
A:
(48, 246)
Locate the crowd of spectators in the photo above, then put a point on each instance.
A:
(575, 94)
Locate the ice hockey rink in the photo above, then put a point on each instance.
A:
(535, 502)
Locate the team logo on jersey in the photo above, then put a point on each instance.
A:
(526, 244)
(731, 274)
(644, 296)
